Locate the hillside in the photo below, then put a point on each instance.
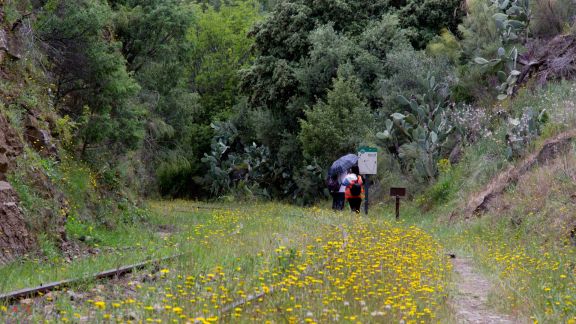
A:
(45, 187)
(188, 142)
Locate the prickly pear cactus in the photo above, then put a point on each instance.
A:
(420, 133)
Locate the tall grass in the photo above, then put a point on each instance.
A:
(523, 241)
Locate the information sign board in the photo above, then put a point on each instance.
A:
(367, 160)
(398, 192)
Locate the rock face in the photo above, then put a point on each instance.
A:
(3, 45)
(10, 147)
(39, 139)
(15, 240)
(479, 202)
(10, 46)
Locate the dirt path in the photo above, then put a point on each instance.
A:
(470, 302)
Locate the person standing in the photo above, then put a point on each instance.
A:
(354, 191)
(341, 191)
(336, 191)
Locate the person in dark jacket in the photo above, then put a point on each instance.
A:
(337, 190)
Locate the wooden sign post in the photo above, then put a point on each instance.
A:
(398, 193)
(367, 165)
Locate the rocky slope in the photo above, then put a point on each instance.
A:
(31, 133)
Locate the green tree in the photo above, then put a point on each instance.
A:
(300, 48)
(221, 48)
(185, 56)
(426, 18)
(384, 35)
(337, 126)
(293, 39)
(154, 36)
(93, 85)
(153, 31)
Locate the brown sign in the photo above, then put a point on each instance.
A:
(398, 192)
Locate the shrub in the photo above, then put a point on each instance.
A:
(248, 170)
(552, 17)
(523, 129)
(405, 76)
(384, 36)
(471, 122)
(174, 175)
(310, 184)
(480, 36)
(93, 86)
(341, 124)
(427, 17)
(445, 45)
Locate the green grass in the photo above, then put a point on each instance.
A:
(236, 250)
(118, 247)
(531, 268)
(256, 245)
(522, 244)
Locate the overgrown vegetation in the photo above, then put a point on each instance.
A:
(147, 87)
(247, 100)
(143, 86)
(524, 240)
(306, 262)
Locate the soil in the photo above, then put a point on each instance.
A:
(552, 148)
(166, 231)
(15, 240)
(470, 302)
(10, 147)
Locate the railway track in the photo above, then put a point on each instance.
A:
(228, 308)
(13, 296)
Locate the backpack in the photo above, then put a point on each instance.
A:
(332, 184)
(356, 189)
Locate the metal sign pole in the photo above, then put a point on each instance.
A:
(367, 189)
(367, 165)
(398, 193)
(397, 207)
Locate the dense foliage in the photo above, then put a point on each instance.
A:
(93, 85)
(247, 98)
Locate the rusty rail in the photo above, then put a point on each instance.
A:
(13, 296)
(10, 297)
(250, 298)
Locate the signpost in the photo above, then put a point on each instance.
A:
(367, 165)
(367, 160)
(398, 193)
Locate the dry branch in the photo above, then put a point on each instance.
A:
(547, 60)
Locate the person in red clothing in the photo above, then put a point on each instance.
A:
(354, 189)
